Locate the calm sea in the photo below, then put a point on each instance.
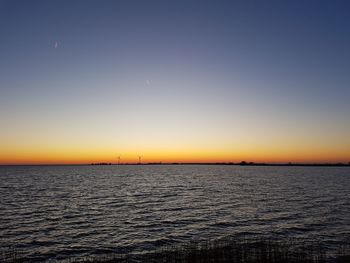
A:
(60, 212)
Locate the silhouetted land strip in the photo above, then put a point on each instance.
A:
(243, 163)
(222, 251)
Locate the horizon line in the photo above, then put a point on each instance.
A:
(242, 163)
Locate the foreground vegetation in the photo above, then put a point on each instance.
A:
(223, 250)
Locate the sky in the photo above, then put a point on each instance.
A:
(174, 81)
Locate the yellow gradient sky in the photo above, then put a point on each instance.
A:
(174, 81)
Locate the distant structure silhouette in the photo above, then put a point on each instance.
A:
(140, 159)
(119, 159)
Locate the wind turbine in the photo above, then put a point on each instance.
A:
(140, 158)
(119, 159)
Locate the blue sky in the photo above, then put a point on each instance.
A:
(232, 79)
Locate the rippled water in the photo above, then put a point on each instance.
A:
(58, 212)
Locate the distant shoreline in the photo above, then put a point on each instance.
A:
(194, 163)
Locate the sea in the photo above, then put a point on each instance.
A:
(56, 213)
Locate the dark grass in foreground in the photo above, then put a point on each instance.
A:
(225, 250)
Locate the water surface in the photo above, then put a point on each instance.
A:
(59, 212)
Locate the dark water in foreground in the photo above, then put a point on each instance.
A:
(58, 212)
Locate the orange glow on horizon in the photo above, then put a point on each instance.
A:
(197, 148)
(190, 156)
